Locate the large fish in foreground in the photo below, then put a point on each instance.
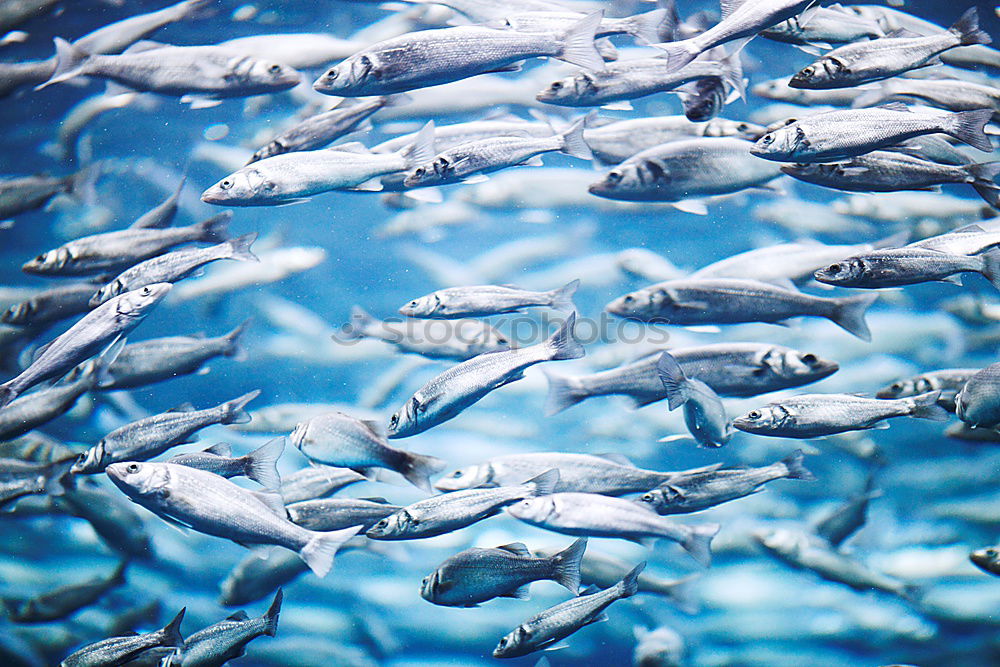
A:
(210, 504)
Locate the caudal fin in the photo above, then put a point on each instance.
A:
(262, 464)
(795, 466)
(232, 340)
(318, 553)
(732, 74)
(419, 469)
(544, 484)
(233, 412)
(69, 63)
(564, 392)
(849, 314)
(422, 149)
(577, 44)
(562, 298)
(563, 344)
(216, 228)
(647, 27)
(968, 126)
(678, 54)
(984, 181)
(567, 565)
(991, 266)
(698, 543)
(675, 383)
(239, 248)
(629, 585)
(573, 142)
(170, 634)
(270, 617)
(966, 28)
(925, 406)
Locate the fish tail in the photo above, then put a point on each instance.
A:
(545, 483)
(732, 74)
(795, 466)
(698, 542)
(849, 314)
(233, 412)
(966, 28)
(648, 27)
(680, 592)
(675, 383)
(967, 126)
(567, 565)
(562, 298)
(262, 463)
(984, 181)
(81, 185)
(677, 54)
(419, 468)
(239, 248)
(171, 632)
(422, 149)
(563, 344)
(216, 228)
(232, 340)
(69, 63)
(629, 585)
(925, 406)
(991, 266)
(577, 47)
(270, 617)
(319, 551)
(565, 391)
(195, 9)
(573, 142)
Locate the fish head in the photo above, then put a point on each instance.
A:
(987, 559)
(358, 74)
(632, 178)
(136, 304)
(19, 313)
(763, 419)
(781, 541)
(963, 405)
(404, 421)
(533, 510)
(630, 305)
(394, 525)
(821, 74)
(802, 367)
(905, 387)
(112, 289)
(846, 272)
(271, 75)
(514, 644)
(770, 90)
(242, 187)
(719, 127)
(439, 170)
(433, 585)
(425, 306)
(570, 88)
(139, 479)
(49, 262)
(482, 338)
(470, 477)
(661, 495)
(783, 143)
(90, 460)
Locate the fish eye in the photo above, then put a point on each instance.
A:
(834, 269)
(647, 497)
(809, 358)
(146, 291)
(556, 85)
(767, 139)
(132, 468)
(394, 421)
(456, 474)
(896, 386)
(332, 74)
(808, 71)
(503, 642)
(614, 176)
(628, 298)
(40, 258)
(274, 69)
(754, 414)
(742, 127)
(992, 553)
(226, 184)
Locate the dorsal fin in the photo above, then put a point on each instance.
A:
(238, 616)
(615, 457)
(516, 548)
(223, 449)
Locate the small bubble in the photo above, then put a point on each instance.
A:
(216, 132)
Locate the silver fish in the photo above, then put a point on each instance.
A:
(254, 577)
(316, 481)
(562, 620)
(174, 266)
(606, 516)
(50, 306)
(617, 141)
(336, 513)
(950, 94)
(458, 340)
(978, 401)
(118, 36)
(260, 465)
(120, 650)
(163, 214)
(59, 603)
(730, 369)
(783, 261)
(223, 641)
(337, 439)
(213, 505)
(909, 265)
(485, 300)
(478, 575)
(704, 413)
(699, 490)
(449, 512)
(20, 478)
(987, 559)
(947, 381)
(148, 437)
(862, 62)
(112, 251)
(97, 329)
(838, 135)
(825, 25)
(459, 387)
(818, 415)
(730, 301)
(432, 57)
(40, 407)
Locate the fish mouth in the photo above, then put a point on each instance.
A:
(800, 81)
(743, 424)
(213, 195)
(116, 471)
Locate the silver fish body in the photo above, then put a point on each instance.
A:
(947, 381)
(485, 300)
(458, 340)
(909, 265)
